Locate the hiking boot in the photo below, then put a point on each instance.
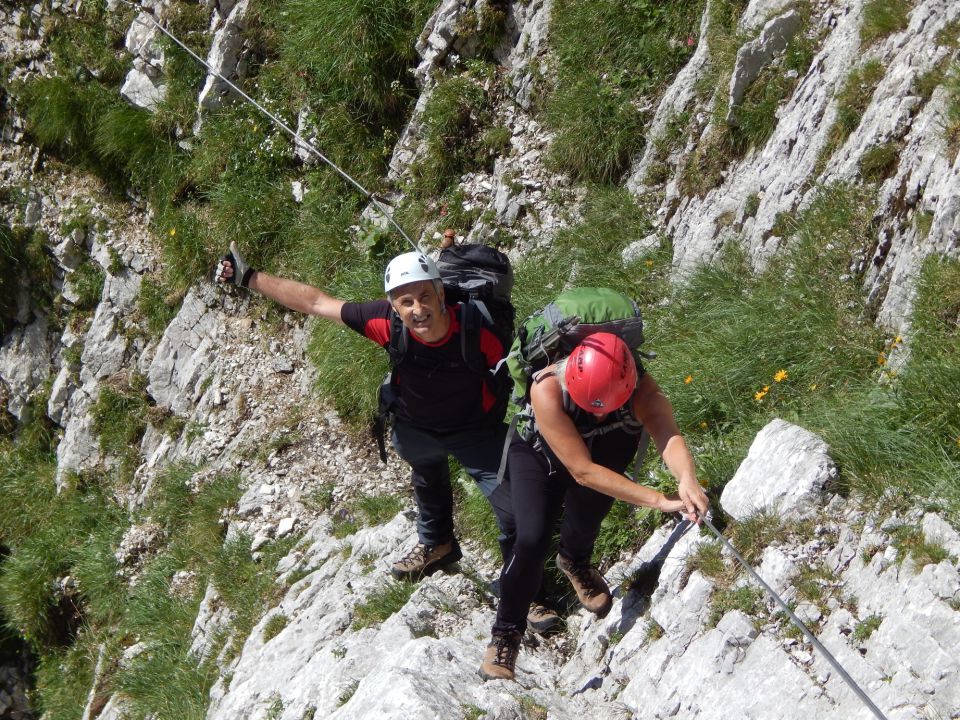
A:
(541, 619)
(500, 658)
(592, 590)
(424, 560)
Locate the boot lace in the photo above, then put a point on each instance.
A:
(585, 576)
(416, 557)
(507, 649)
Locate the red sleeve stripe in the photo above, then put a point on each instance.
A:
(378, 330)
(491, 347)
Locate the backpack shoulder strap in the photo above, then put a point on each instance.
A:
(474, 316)
(399, 339)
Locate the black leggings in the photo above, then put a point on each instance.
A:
(542, 489)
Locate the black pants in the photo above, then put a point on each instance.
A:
(478, 451)
(542, 489)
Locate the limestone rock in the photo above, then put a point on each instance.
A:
(183, 355)
(25, 363)
(755, 55)
(226, 56)
(785, 472)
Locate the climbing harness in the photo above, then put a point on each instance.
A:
(301, 142)
(799, 623)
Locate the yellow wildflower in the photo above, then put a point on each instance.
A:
(766, 389)
(649, 263)
(780, 376)
(897, 340)
(688, 379)
(703, 424)
(759, 395)
(173, 231)
(813, 387)
(881, 359)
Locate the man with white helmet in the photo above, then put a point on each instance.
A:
(442, 407)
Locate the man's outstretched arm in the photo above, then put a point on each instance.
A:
(290, 293)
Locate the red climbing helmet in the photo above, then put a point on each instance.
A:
(601, 373)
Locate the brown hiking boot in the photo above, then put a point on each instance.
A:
(541, 619)
(592, 590)
(500, 658)
(424, 560)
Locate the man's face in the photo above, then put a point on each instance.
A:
(420, 308)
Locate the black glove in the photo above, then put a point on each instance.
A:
(241, 271)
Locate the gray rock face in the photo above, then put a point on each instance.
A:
(185, 352)
(780, 175)
(25, 363)
(665, 649)
(753, 57)
(144, 85)
(226, 54)
(785, 472)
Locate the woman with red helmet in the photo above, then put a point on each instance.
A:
(588, 410)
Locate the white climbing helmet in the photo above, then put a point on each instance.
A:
(407, 268)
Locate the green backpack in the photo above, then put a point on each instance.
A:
(552, 333)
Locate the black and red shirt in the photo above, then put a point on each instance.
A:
(437, 390)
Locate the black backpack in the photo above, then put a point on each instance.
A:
(480, 278)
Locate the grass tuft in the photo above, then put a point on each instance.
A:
(880, 161)
(852, 100)
(882, 18)
(611, 59)
(382, 603)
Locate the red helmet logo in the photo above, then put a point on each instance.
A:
(601, 373)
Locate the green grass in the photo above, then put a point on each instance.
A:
(474, 517)
(365, 511)
(119, 421)
(274, 626)
(852, 98)
(880, 161)
(611, 58)
(866, 627)
(455, 126)
(747, 599)
(87, 282)
(882, 18)
(23, 259)
(708, 559)
(755, 119)
(952, 128)
(382, 603)
(731, 331)
(909, 540)
(588, 254)
(348, 51)
(156, 306)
